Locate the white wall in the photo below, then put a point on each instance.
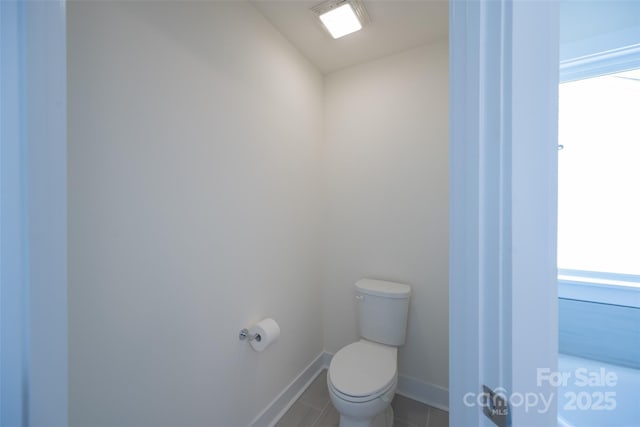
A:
(197, 140)
(194, 132)
(386, 159)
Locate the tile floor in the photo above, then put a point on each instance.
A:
(314, 409)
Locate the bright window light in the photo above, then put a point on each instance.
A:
(341, 21)
(598, 174)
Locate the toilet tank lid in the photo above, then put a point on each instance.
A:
(383, 288)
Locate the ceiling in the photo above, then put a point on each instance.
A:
(396, 25)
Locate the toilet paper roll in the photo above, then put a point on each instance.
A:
(268, 332)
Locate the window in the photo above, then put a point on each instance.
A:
(599, 188)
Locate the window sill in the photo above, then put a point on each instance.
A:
(599, 288)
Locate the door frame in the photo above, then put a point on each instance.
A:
(33, 214)
(503, 206)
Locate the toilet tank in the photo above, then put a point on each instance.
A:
(383, 309)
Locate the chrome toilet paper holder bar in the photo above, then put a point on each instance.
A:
(244, 334)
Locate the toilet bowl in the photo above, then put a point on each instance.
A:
(363, 376)
(362, 381)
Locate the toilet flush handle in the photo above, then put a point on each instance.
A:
(360, 297)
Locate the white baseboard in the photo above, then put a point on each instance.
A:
(281, 404)
(413, 388)
(430, 394)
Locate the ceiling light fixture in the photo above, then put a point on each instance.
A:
(341, 17)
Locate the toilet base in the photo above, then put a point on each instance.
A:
(383, 419)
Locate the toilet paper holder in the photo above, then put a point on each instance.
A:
(244, 334)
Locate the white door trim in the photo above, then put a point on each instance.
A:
(33, 213)
(45, 75)
(13, 274)
(503, 180)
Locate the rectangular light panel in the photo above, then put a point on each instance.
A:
(341, 21)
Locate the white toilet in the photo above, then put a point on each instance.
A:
(363, 376)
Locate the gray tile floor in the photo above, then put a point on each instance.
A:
(314, 409)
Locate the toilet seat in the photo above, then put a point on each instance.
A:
(362, 371)
(368, 398)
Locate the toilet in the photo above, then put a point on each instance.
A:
(363, 376)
